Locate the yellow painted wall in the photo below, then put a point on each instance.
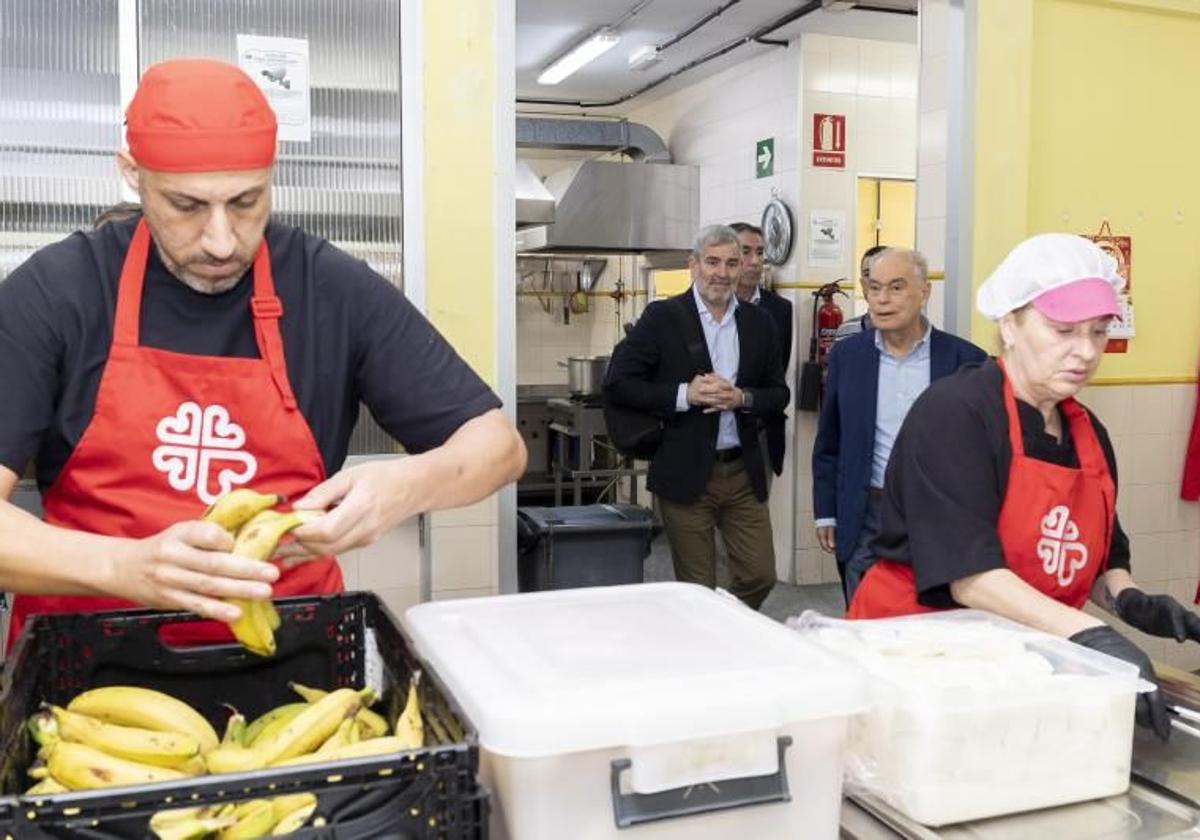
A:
(1080, 118)
(460, 91)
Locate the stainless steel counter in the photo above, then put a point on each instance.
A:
(1163, 801)
(1140, 814)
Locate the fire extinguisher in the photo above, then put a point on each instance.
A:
(826, 318)
(829, 318)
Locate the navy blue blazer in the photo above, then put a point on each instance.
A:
(845, 444)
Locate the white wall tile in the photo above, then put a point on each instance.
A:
(1182, 552)
(1153, 410)
(393, 561)
(1149, 559)
(464, 557)
(932, 135)
(400, 599)
(931, 192)
(1153, 460)
(808, 566)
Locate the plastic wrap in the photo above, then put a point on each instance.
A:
(976, 716)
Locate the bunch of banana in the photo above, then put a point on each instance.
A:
(117, 735)
(257, 530)
(274, 817)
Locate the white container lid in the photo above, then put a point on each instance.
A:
(552, 673)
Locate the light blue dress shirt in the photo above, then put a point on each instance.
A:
(725, 352)
(901, 381)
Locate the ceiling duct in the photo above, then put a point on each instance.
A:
(602, 206)
(633, 139)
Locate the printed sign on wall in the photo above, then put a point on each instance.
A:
(280, 67)
(829, 141)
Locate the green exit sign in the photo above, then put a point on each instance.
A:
(764, 158)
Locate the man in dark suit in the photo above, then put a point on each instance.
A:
(874, 377)
(750, 290)
(712, 384)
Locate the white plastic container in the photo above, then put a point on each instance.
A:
(636, 704)
(976, 716)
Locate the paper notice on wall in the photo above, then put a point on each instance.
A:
(826, 234)
(280, 67)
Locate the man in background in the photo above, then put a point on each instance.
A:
(750, 289)
(874, 378)
(708, 366)
(854, 326)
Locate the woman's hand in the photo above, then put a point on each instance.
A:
(1151, 710)
(1158, 615)
(188, 567)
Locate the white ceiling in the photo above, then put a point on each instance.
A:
(545, 29)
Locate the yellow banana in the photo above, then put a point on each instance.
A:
(235, 728)
(43, 728)
(128, 705)
(371, 724)
(272, 614)
(410, 728)
(47, 787)
(237, 507)
(186, 824)
(257, 539)
(307, 730)
(81, 767)
(146, 746)
(291, 820)
(340, 738)
(233, 758)
(194, 766)
(39, 769)
(289, 802)
(277, 718)
(375, 746)
(256, 820)
(252, 629)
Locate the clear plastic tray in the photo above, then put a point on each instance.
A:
(976, 716)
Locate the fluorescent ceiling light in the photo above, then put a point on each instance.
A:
(597, 45)
(645, 57)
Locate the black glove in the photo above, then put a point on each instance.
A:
(1151, 711)
(1158, 615)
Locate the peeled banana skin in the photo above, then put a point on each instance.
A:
(127, 705)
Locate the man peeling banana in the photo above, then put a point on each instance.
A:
(203, 356)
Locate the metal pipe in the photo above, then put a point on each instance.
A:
(794, 15)
(713, 15)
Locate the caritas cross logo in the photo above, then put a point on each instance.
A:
(196, 442)
(1059, 549)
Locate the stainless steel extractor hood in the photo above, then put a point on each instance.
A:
(535, 204)
(608, 207)
(604, 206)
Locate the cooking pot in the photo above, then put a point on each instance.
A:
(585, 375)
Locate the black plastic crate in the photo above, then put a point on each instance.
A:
(324, 641)
(583, 545)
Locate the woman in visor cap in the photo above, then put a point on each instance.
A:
(1001, 490)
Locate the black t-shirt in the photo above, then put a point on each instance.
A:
(947, 477)
(349, 335)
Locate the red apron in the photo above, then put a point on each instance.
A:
(1055, 524)
(171, 432)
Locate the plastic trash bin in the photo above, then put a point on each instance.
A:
(585, 545)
